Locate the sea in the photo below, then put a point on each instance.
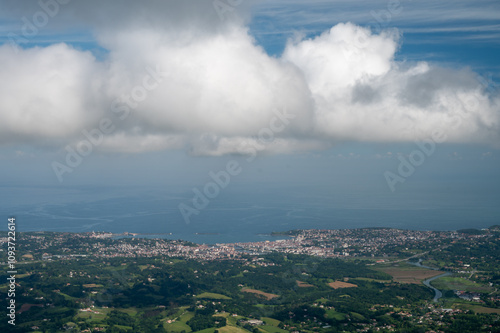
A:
(242, 214)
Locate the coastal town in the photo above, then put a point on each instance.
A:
(359, 280)
(370, 242)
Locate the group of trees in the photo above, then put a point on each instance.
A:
(200, 322)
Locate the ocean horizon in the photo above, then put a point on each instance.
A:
(239, 215)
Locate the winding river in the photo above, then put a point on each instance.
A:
(437, 293)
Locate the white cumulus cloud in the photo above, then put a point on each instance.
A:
(217, 92)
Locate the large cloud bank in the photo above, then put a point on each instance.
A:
(192, 81)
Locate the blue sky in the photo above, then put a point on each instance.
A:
(460, 33)
(316, 93)
(453, 33)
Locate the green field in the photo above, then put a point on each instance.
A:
(207, 330)
(475, 308)
(67, 297)
(130, 311)
(321, 300)
(457, 283)
(212, 296)
(371, 280)
(124, 327)
(177, 326)
(357, 316)
(271, 325)
(180, 324)
(94, 316)
(227, 329)
(332, 314)
(270, 321)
